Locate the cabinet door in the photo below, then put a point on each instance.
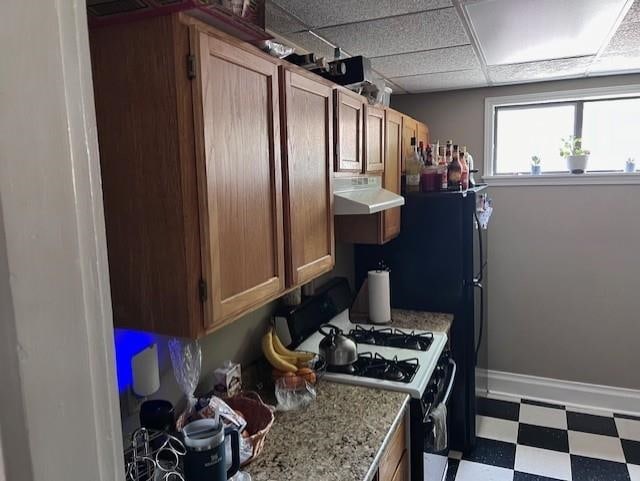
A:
(308, 176)
(391, 180)
(348, 129)
(402, 471)
(374, 139)
(423, 134)
(240, 180)
(409, 131)
(392, 457)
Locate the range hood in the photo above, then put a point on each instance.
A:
(362, 195)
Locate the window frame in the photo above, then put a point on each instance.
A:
(548, 99)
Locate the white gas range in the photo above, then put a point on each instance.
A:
(426, 360)
(429, 374)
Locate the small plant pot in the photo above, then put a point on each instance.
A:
(536, 169)
(577, 164)
(630, 167)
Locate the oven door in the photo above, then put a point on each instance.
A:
(436, 445)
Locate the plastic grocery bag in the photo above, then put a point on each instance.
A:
(186, 359)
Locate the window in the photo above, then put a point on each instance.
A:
(520, 127)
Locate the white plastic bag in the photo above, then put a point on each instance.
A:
(186, 359)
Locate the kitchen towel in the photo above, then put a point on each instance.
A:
(439, 418)
(379, 297)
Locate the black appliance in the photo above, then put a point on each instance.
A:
(433, 269)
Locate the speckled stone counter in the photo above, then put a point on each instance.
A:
(427, 321)
(340, 437)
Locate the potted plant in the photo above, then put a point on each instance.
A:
(535, 165)
(576, 156)
(630, 165)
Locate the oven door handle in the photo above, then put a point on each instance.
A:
(445, 400)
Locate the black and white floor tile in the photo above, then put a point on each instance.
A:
(525, 440)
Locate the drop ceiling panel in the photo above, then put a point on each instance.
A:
(536, 71)
(431, 61)
(626, 38)
(278, 20)
(311, 43)
(407, 33)
(518, 31)
(442, 81)
(633, 15)
(615, 63)
(336, 12)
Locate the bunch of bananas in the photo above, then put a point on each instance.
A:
(284, 361)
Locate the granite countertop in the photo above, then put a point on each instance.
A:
(339, 437)
(428, 321)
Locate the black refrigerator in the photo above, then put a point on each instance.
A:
(437, 264)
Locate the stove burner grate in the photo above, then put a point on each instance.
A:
(392, 337)
(377, 367)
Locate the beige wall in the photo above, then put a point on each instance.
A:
(564, 270)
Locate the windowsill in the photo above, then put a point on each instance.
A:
(589, 178)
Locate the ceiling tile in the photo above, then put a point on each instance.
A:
(520, 31)
(278, 20)
(626, 38)
(431, 61)
(311, 43)
(336, 12)
(616, 63)
(407, 33)
(633, 15)
(536, 71)
(442, 81)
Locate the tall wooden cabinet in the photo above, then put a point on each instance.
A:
(392, 172)
(409, 131)
(217, 174)
(239, 175)
(308, 175)
(422, 134)
(380, 227)
(374, 140)
(349, 135)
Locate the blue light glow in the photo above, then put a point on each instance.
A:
(128, 344)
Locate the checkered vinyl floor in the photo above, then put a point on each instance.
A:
(523, 440)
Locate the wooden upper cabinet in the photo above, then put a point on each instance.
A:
(392, 174)
(349, 114)
(374, 139)
(422, 134)
(380, 227)
(308, 175)
(409, 131)
(240, 179)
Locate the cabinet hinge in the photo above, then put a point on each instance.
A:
(191, 66)
(202, 290)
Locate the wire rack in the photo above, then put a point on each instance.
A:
(154, 456)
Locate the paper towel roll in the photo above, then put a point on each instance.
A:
(379, 297)
(144, 367)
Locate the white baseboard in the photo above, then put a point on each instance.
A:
(578, 394)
